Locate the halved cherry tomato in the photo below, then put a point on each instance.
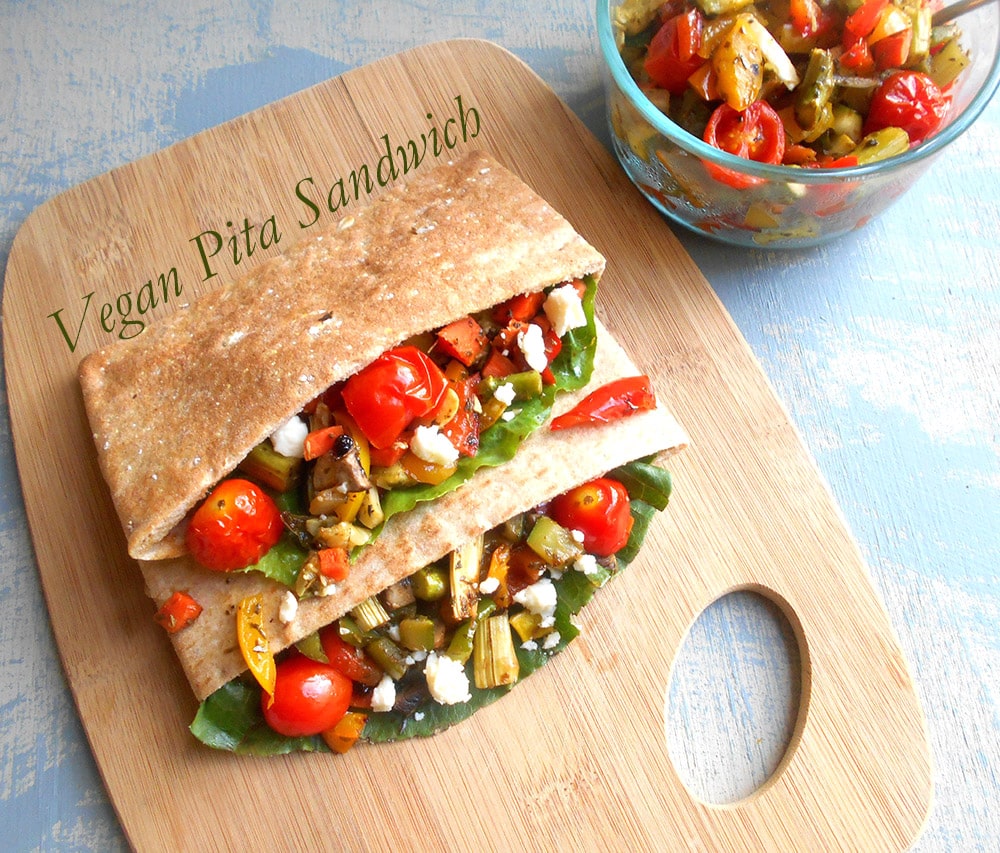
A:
(177, 612)
(756, 133)
(349, 660)
(385, 397)
(234, 527)
(309, 697)
(600, 510)
(673, 52)
(909, 100)
(610, 402)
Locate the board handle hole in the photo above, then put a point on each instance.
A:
(734, 698)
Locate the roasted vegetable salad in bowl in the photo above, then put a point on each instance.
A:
(787, 123)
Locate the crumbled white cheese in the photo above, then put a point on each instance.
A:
(289, 439)
(540, 599)
(446, 680)
(487, 586)
(288, 608)
(551, 640)
(586, 563)
(529, 645)
(532, 346)
(509, 414)
(577, 535)
(505, 393)
(384, 695)
(564, 309)
(431, 445)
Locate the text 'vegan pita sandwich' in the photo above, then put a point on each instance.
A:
(351, 413)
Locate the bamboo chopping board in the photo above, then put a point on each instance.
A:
(576, 757)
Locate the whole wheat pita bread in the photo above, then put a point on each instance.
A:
(178, 407)
(547, 464)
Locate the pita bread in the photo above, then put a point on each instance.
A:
(175, 409)
(547, 464)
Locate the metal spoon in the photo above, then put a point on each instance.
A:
(948, 13)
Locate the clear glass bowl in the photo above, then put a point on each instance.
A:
(786, 206)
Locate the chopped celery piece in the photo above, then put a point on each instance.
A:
(495, 662)
(464, 578)
(370, 614)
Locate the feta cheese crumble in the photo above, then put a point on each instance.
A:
(564, 308)
(431, 445)
(586, 563)
(505, 393)
(288, 608)
(384, 695)
(488, 586)
(532, 346)
(446, 680)
(289, 439)
(540, 599)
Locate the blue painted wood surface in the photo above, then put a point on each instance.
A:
(885, 348)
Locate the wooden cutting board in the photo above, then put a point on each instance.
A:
(575, 758)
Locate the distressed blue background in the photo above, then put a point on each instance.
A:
(884, 347)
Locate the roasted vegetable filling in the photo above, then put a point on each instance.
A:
(411, 426)
(456, 635)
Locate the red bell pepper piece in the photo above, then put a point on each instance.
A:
(611, 402)
(177, 612)
(463, 340)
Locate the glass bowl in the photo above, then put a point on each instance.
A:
(781, 206)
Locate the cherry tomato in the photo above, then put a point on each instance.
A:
(617, 399)
(909, 100)
(754, 134)
(234, 527)
(385, 397)
(309, 697)
(600, 510)
(673, 52)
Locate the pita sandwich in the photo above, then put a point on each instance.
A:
(185, 405)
